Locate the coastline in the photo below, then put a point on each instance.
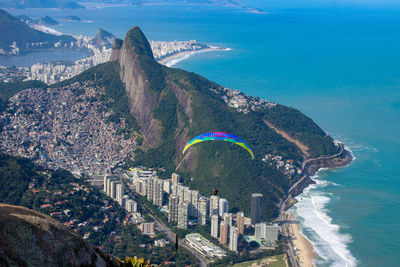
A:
(180, 56)
(300, 249)
(303, 248)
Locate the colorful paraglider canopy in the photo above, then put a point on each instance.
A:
(221, 136)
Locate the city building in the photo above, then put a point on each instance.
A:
(175, 178)
(223, 235)
(204, 246)
(131, 205)
(155, 191)
(187, 194)
(260, 229)
(141, 186)
(105, 183)
(194, 203)
(108, 192)
(158, 194)
(202, 211)
(181, 192)
(119, 188)
(148, 228)
(150, 189)
(214, 226)
(123, 201)
(113, 189)
(240, 222)
(228, 219)
(256, 208)
(233, 239)
(223, 206)
(271, 232)
(214, 205)
(183, 209)
(173, 202)
(167, 187)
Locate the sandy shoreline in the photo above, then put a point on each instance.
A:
(303, 248)
(178, 57)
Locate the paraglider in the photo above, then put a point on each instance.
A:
(215, 191)
(219, 136)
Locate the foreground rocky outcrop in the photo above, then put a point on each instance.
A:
(30, 238)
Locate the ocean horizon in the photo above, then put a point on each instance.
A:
(339, 66)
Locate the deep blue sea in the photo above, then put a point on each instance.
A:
(338, 64)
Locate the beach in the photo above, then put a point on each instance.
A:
(178, 57)
(303, 248)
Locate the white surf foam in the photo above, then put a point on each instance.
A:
(329, 243)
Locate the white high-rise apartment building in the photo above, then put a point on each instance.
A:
(194, 203)
(214, 204)
(158, 192)
(175, 178)
(131, 205)
(105, 183)
(167, 186)
(202, 211)
(223, 206)
(173, 202)
(214, 226)
(233, 239)
(183, 209)
(228, 218)
(272, 232)
(119, 188)
(113, 189)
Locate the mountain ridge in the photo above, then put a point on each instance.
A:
(26, 38)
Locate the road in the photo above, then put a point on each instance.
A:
(289, 245)
(171, 236)
(282, 220)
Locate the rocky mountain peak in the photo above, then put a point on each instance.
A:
(142, 77)
(103, 38)
(137, 41)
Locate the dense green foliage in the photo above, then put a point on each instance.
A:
(15, 174)
(302, 128)
(7, 90)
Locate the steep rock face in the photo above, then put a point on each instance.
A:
(30, 238)
(134, 52)
(116, 47)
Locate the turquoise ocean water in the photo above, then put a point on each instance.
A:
(340, 65)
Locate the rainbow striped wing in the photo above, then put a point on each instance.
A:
(219, 136)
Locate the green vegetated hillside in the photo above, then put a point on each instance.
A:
(171, 106)
(12, 29)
